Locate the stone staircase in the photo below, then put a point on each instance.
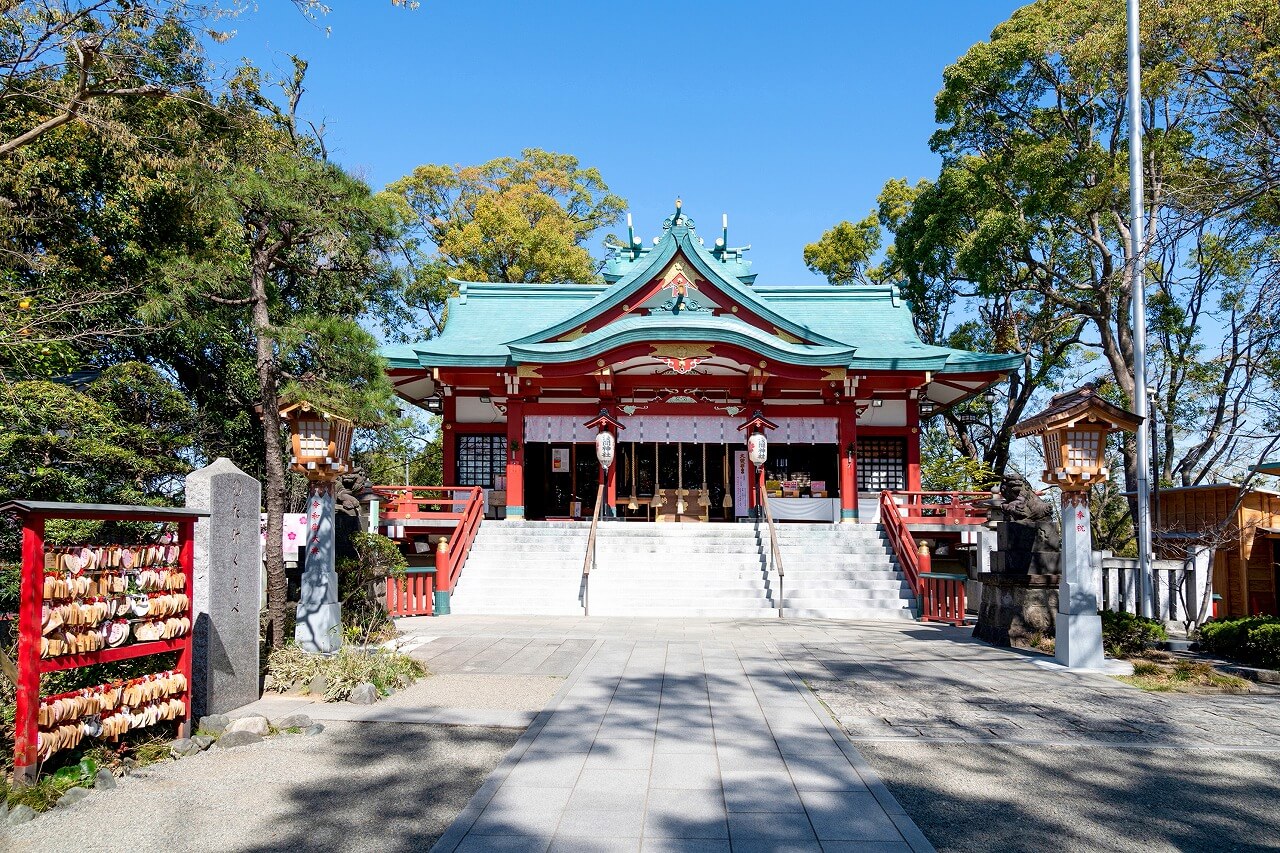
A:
(673, 570)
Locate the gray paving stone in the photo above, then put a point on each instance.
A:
(761, 826)
(824, 773)
(623, 754)
(760, 791)
(504, 844)
(684, 845)
(595, 845)
(558, 770)
(848, 816)
(596, 824)
(687, 770)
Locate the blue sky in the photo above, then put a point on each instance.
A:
(787, 116)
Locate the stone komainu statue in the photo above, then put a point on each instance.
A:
(1019, 502)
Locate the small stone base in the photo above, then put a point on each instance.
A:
(1016, 608)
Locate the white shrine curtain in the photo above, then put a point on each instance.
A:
(694, 429)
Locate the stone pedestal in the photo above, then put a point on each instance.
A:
(319, 621)
(1015, 608)
(1079, 628)
(225, 597)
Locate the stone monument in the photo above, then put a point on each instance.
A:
(1019, 593)
(226, 595)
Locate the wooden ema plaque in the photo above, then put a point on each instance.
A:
(89, 605)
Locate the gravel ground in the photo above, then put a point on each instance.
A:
(354, 787)
(985, 797)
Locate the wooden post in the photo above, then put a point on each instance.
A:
(25, 729)
(515, 459)
(848, 438)
(449, 442)
(443, 583)
(913, 445)
(185, 664)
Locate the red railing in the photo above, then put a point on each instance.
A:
(939, 597)
(901, 540)
(412, 595)
(943, 598)
(941, 507)
(424, 507)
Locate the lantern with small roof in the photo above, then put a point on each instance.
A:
(1074, 430)
(321, 441)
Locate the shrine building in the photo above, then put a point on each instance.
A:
(681, 346)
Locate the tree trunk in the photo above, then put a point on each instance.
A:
(266, 369)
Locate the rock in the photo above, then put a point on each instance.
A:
(363, 694)
(21, 814)
(204, 741)
(214, 724)
(104, 780)
(183, 746)
(293, 721)
(73, 796)
(240, 738)
(257, 724)
(319, 684)
(313, 729)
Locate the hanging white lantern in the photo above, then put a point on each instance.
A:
(758, 449)
(606, 445)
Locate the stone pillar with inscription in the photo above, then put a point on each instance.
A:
(226, 596)
(1078, 642)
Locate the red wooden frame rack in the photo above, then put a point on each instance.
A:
(30, 665)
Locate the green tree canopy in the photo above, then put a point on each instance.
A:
(517, 220)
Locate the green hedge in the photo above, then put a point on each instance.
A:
(1253, 640)
(1127, 634)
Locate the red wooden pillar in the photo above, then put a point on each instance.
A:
(760, 469)
(751, 492)
(187, 562)
(611, 486)
(28, 698)
(848, 438)
(515, 459)
(913, 445)
(449, 442)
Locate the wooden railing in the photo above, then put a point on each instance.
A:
(459, 509)
(412, 595)
(900, 539)
(775, 553)
(424, 506)
(942, 598)
(589, 561)
(941, 507)
(939, 597)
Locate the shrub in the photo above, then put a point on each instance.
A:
(384, 669)
(1253, 640)
(1127, 634)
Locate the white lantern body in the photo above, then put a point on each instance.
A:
(606, 446)
(758, 449)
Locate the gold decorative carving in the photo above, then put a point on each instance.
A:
(574, 335)
(526, 370)
(786, 336)
(836, 374)
(701, 351)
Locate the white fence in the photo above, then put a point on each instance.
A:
(1179, 585)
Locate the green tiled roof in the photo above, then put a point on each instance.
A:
(859, 327)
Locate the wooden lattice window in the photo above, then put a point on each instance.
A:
(481, 459)
(882, 464)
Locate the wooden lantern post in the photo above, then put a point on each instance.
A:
(607, 427)
(758, 455)
(321, 453)
(1074, 429)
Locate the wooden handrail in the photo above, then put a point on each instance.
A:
(920, 507)
(589, 561)
(463, 535)
(901, 540)
(774, 550)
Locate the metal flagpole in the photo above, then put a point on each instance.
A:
(1139, 298)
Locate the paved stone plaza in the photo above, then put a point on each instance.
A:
(698, 734)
